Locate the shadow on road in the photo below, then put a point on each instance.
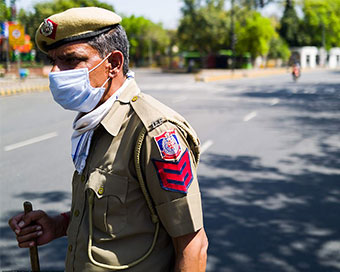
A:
(275, 220)
(48, 197)
(286, 224)
(322, 97)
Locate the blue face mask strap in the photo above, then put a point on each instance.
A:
(100, 63)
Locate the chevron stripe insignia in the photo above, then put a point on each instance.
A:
(177, 175)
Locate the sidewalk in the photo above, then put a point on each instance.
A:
(12, 85)
(209, 75)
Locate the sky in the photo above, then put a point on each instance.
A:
(167, 12)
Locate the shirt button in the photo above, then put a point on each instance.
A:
(134, 99)
(70, 248)
(76, 213)
(82, 178)
(101, 191)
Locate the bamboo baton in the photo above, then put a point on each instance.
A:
(33, 250)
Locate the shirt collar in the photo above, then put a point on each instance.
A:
(113, 121)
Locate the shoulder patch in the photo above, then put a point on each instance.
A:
(168, 145)
(175, 176)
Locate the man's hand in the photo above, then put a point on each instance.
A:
(191, 252)
(37, 228)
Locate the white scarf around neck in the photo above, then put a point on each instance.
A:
(84, 125)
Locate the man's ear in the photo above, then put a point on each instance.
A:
(116, 60)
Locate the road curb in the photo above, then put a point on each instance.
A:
(22, 90)
(239, 74)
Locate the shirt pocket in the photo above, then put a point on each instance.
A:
(109, 207)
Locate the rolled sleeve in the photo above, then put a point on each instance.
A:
(179, 211)
(181, 216)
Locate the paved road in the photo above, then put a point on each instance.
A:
(269, 170)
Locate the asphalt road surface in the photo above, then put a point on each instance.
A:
(269, 171)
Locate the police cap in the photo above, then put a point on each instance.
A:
(74, 24)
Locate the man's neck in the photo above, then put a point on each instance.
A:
(114, 84)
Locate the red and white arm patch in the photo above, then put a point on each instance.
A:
(177, 175)
(168, 145)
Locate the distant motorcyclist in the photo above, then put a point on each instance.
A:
(296, 70)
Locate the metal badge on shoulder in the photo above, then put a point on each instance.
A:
(168, 145)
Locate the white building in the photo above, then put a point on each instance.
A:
(334, 58)
(306, 55)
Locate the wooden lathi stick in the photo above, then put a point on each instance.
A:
(33, 250)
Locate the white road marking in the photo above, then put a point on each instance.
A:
(179, 99)
(275, 101)
(206, 145)
(31, 141)
(249, 116)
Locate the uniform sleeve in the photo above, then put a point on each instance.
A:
(171, 177)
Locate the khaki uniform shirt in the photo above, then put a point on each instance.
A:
(122, 228)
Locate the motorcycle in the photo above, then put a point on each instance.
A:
(296, 73)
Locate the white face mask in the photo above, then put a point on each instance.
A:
(72, 89)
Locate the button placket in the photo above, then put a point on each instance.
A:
(80, 204)
(76, 218)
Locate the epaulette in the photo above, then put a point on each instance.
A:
(146, 108)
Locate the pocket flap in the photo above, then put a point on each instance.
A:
(107, 184)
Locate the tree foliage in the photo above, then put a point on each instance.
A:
(4, 11)
(147, 39)
(278, 49)
(254, 4)
(290, 23)
(321, 22)
(204, 26)
(254, 33)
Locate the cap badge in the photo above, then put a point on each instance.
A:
(49, 28)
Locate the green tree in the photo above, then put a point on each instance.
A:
(322, 22)
(148, 41)
(278, 49)
(254, 33)
(5, 12)
(255, 3)
(290, 22)
(204, 26)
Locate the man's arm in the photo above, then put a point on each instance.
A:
(191, 252)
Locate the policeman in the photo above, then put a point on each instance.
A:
(136, 203)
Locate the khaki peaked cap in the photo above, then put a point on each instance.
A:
(74, 24)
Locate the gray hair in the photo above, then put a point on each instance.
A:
(115, 39)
